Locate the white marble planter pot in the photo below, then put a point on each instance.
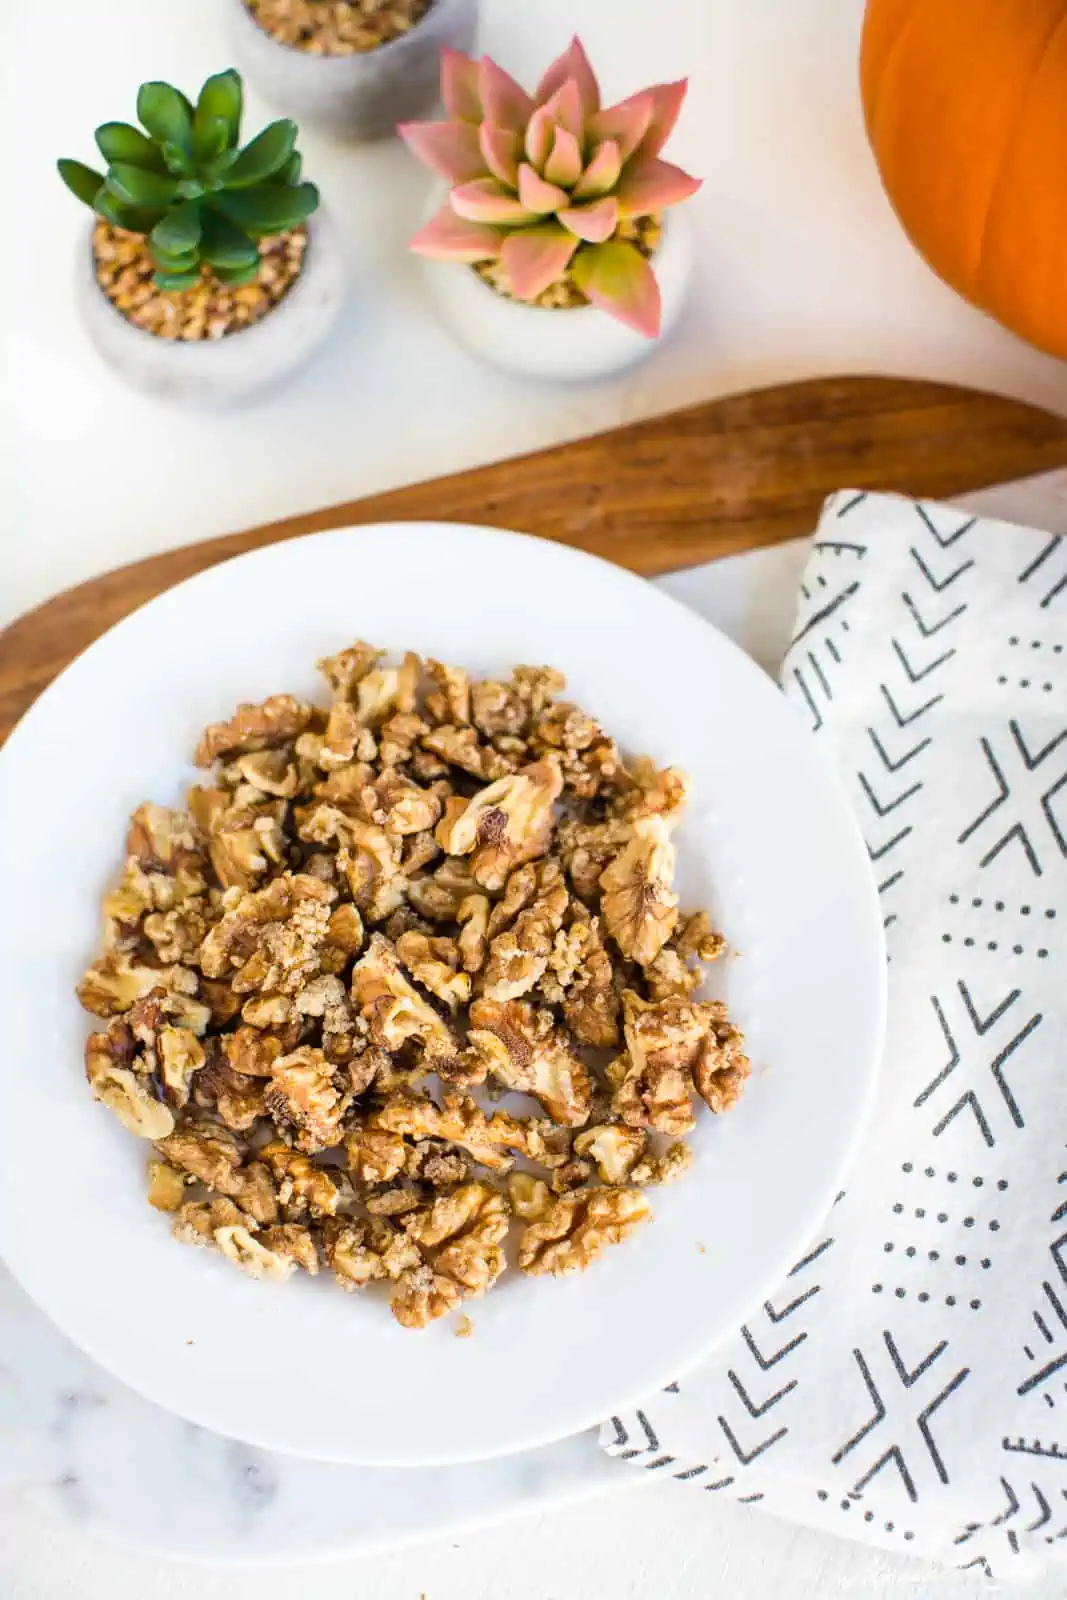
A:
(221, 372)
(566, 345)
(360, 96)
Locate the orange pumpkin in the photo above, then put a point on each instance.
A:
(966, 110)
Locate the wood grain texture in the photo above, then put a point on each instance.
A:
(727, 475)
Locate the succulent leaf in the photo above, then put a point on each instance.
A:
(616, 277)
(451, 149)
(219, 101)
(649, 184)
(535, 258)
(268, 209)
(120, 141)
(594, 221)
(447, 237)
(226, 247)
(136, 219)
(236, 276)
(460, 89)
(572, 66)
(179, 230)
(134, 186)
(81, 180)
(265, 155)
(176, 282)
(167, 115)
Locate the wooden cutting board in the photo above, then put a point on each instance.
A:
(727, 475)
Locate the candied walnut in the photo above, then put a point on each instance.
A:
(615, 1148)
(275, 1011)
(220, 1000)
(109, 1068)
(301, 1186)
(161, 840)
(590, 1000)
(166, 1186)
(375, 1155)
(440, 896)
(450, 699)
(422, 1296)
(362, 1251)
(238, 1245)
(721, 1066)
(435, 964)
(271, 772)
(419, 851)
(344, 670)
(577, 1227)
(472, 914)
(397, 738)
(368, 858)
(668, 977)
(345, 929)
(652, 792)
(273, 937)
(238, 1101)
(250, 1052)
(341, 741)
(303, 1095)
(292, 1243)
(497, 709)
(403, 807)
(177, 934)
(460, 1120)
(365, 1065)
(395, 1010)
(434, 1163)
(505, 824)
(180, 1055)
(393, 1202)
(384, 691)
(530, 1197)
(197, 1220)
(676, 1159)
(587, 849)
(524, 1049)
(696, 940)
(518, 958)
(461, 747)
(213, 1155)
(464, 1230)
(112, 984)
(640, 908)
(254, 727)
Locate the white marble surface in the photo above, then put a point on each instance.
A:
(802, 271)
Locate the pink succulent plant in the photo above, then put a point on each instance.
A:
(542, 182)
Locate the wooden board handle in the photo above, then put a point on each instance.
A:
(727, 475)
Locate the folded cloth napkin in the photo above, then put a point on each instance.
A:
(906, 1385)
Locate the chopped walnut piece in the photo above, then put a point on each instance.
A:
(213, 1155)
(166, 1186)
(434, 1163)
(292, 1243)
(271, 772)
(197, 1220)
(393, 1202)
(450, 700)
(345, 929)
(303, 1095)
(530, 1197)
(387, 690)
(344, 670)
(112, 984)
(464, 1230)
(181, 1055)
(375, 1155)
(615, 1148)
(640, 907)
(696, 940)
(277, 721)
(721, 1066)
(675, 1160)
(578, 1227)
(472, 914)
(652, 792)
(668, 977)
(251, 1052)
(496, 708)
(362, 1251)
(461, 747)
(109, 1059)
(238, 1245)
(238, 1101)
(505, 824)
(460, 1120)
(435, 964)
(301, 1186)
(518, 958)
(422, 1296)
(590, 1000)
(394, 1009)
(524, 1049)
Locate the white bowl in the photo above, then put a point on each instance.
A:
(221, 372)
(570, 345)
(360, 96)
(769, 844)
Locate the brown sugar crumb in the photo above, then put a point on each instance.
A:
(464, 1328)
(337, 28)
(124, 270)
(564, 294)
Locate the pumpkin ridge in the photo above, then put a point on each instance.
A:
(1006, 147)
(888, 55)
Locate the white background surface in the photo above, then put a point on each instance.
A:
(802, 271)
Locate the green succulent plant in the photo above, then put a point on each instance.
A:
(185, 182)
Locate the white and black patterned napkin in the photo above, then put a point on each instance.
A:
(907, 1383)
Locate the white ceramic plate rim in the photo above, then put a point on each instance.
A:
(589, 588)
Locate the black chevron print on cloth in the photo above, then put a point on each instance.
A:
(991, 1106)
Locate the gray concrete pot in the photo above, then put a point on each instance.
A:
(359, 96)
(222, 372)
